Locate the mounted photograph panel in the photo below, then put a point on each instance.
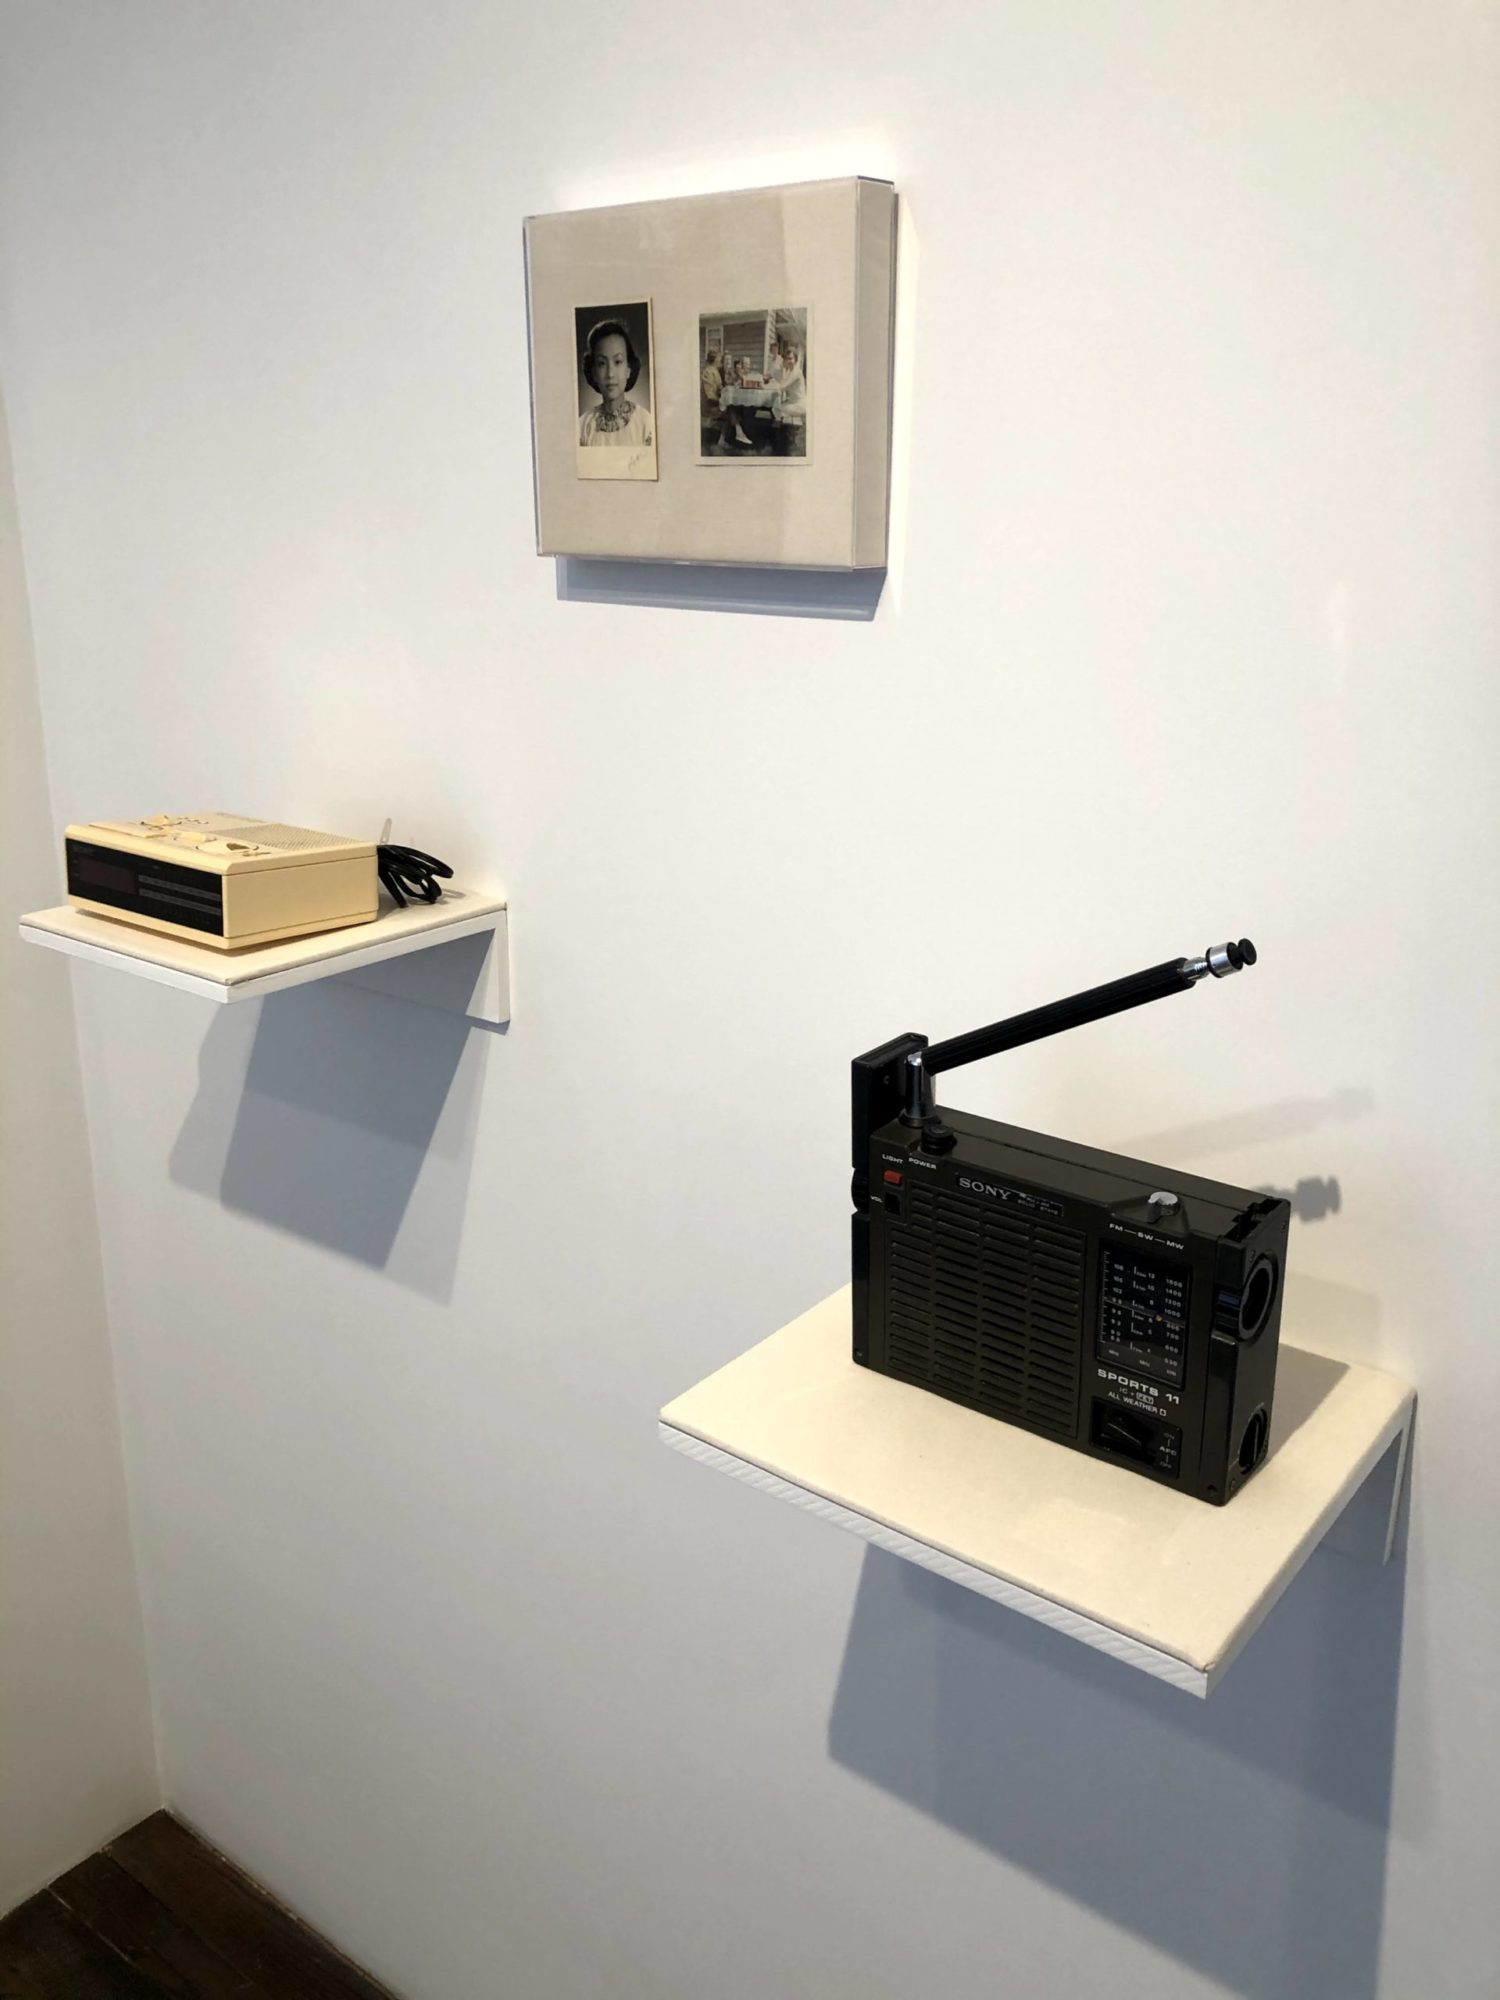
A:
(737, 407)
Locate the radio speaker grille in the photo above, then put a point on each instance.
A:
(283, 839)
(987, 1305)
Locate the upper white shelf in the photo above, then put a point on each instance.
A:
(1160, 1580)
(478, 987)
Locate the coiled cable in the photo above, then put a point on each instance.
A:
(410, 874)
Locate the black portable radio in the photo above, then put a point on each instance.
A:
(1127, 1310)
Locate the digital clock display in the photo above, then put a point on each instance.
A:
(89, 873)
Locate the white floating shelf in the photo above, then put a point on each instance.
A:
(473, 982)
(1163, 1582)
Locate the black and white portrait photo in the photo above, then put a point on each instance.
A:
(616, 405)
(752, 378)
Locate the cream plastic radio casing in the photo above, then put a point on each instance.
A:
(220, 879)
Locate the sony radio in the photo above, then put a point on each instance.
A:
(1123, 1309)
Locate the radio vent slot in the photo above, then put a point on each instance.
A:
(987, 1305)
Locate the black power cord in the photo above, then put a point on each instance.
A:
(409, 873)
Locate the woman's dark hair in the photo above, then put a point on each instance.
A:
(596, 334)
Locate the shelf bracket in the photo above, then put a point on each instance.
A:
(1368, 1526)
(469, 976)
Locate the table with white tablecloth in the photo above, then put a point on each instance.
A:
(733, 397)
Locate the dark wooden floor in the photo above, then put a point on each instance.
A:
(156, 1912)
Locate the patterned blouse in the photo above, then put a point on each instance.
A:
(632, 427)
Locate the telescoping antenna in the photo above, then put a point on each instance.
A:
(1176, 975)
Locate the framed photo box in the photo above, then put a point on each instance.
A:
(711, 376)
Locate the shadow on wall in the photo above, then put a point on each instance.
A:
(1314, 1198)
(1293, 1118)
(777, 593)
(343, 1117)
(1245, 1835)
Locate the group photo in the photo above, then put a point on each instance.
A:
(753, 400)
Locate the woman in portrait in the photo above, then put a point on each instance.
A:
(612, 367)
(711, 379)
(792, 431)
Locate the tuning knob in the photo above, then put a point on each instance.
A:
(1164, 1206)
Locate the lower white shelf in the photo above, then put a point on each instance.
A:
(1161, 1581)
(478, 987)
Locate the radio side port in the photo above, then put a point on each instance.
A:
(1253, 1442)
(1258, 1297)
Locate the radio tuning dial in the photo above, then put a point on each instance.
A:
(1163, 1206)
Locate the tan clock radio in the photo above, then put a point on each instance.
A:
(221, 879)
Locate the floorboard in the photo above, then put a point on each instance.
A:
(146, 1933)
(158, 1915)
(234, 1917)
(47, 1954)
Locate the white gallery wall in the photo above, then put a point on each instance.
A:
(77, 1755)
(1190, 630)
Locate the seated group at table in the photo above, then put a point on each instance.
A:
(747, 411)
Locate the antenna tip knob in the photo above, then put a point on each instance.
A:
(1223, 959)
